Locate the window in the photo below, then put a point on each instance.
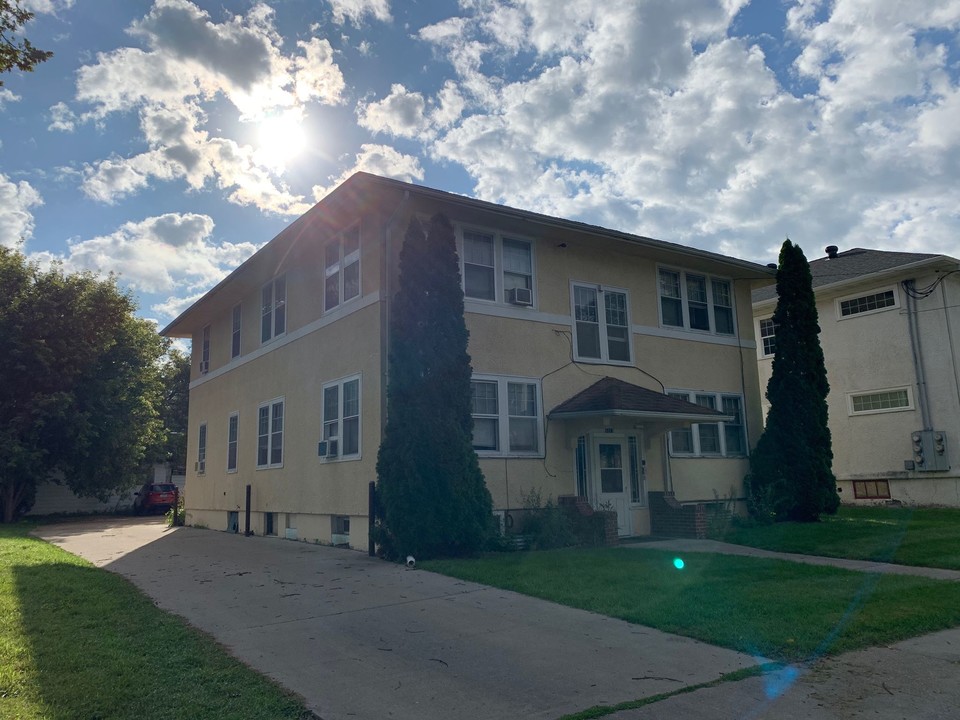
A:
(202, 450)
(495, 266)
(205, 351)
(768, 336)
(341, 415)
(871, 489)
(696, 302)
(270, 434)
(235, 337)
(601, 335)
(233, 432)
(867, 303)
(581, 465)
(273, 314)
(881, 401)
(722, 439)
(341, 271)
(506, 416)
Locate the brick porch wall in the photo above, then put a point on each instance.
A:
(671, 519)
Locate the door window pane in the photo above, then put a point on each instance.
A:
(611, 468)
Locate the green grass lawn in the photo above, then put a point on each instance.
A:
(771, 608)
(908, 536)
(80, 642)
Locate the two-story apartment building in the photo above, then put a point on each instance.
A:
(888, 326)
(607, 365)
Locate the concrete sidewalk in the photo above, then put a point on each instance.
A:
(714, 546)
(362, 638)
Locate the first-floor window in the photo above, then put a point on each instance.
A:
(507, 417)
(720, 439)
(233, 433)
(270, 434)
(341, 415)
(202, 449)
(880, 401)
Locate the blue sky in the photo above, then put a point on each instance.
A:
(167, 140)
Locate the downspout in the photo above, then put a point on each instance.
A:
(385, 300)
(917, 351)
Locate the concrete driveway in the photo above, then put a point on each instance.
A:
(361, 638)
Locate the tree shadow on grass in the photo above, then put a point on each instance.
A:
(101, 650)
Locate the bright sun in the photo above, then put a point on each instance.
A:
(280, 138)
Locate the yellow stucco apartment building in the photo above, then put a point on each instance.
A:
(606, 365)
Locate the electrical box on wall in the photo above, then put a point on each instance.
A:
(929, 450)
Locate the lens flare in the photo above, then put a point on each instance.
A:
(678, 563)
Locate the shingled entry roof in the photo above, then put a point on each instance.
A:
(610, 396)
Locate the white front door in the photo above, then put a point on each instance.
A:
(612, 480)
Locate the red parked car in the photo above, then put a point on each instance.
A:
(155, 496)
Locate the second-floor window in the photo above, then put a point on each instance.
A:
(205, 351)
(601, 324)
(341, 268)
(768, 336)
(696, 302)
(497, 268)
(236, 323)
(273, 312)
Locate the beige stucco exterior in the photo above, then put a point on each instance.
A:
(871, 352)
(306, 494)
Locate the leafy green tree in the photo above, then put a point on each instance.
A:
(175, 379)
(433, 497)
(17, 52)
(790, 469)
(80, 384)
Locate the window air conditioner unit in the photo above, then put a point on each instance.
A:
(204, 367)
(200, 467)
(520, 296)
(328, 448)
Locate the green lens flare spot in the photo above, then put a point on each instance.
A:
(678, 563)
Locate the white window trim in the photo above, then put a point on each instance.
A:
(684, 303)
(867, 293)
(760, 349)
(503, 416)
(339, 383)
(205, 336)
(718, 398)
(203, 434)
(498, 238)
(283, 432)
(234, 414)
(601, 313)
(238, 332)
(273, 311)
(338, 238)
(850, 395)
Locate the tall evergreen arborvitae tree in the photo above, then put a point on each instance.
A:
(790, 469)
(433, 499)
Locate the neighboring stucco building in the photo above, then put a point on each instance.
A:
(290, 361)
(888, 323)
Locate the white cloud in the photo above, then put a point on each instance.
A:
(652, 117)
(355, 10)
(401, 113)
(7, 96)
(62, 118)
(47, 7)
(16, 220)
(379, 160)
(160, 254)
(188, 64)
